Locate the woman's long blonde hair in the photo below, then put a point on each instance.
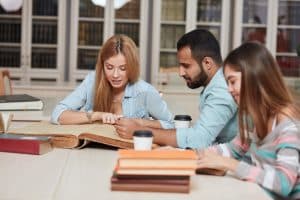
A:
(263, 93)
(117, 44)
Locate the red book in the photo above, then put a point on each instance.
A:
(25, 144)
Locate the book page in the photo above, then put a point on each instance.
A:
(46, 128)
(64, 134)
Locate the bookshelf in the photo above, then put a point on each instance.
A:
(32, 41)
(59, 40)
(173, 18)
(91, 25)
(287, 38)
(11, 40)
(255, 21)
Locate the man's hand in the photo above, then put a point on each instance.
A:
(125, 127)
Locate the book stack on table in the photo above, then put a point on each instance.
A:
(154, 171)
(23, 107)
(20, 102)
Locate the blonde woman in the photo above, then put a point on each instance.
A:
(114, 90)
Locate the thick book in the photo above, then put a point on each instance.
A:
(150, 187)
(211, 171)
(158, 154)
(20, 102)
(163, 184)
(157, 159)
(71, 136)
(28, 115)
(25, 144)
(147, 171)
(174, 180)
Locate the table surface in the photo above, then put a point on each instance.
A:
(85, 174)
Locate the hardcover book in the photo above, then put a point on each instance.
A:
(71, 136)
(147, 171)
(157, 159)
(25, 144)
(211, 171)
(143, 187)
(20, 102)
(175, 184)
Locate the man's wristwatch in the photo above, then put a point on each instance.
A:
(89, 116)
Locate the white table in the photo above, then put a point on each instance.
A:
(64, 174)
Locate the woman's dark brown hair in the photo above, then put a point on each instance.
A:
(263, 93)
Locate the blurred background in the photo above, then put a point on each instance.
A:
(52, 44)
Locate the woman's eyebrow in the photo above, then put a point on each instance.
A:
(229, 77)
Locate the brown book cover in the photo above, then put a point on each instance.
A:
(210, 171)
(70, 136)
(151, 185)
(145, 179)
(150, 188)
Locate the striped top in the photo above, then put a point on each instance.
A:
(273, 163)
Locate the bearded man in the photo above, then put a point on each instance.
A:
(200, 64)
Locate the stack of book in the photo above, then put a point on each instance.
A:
(23, 107)
(154, 171)
(20, 102)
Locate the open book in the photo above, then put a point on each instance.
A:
(71, 136)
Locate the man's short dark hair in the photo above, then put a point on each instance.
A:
(202, 44)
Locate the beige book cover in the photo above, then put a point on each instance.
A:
(71, 136)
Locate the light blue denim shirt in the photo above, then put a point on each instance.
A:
(217, 122)
(141, 100)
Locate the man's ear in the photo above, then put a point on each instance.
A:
(208, 63)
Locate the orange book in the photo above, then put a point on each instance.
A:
(164, 172)
(157, 159)
(157, 154)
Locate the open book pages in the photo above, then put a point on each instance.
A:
(5, 119)
(70, 136)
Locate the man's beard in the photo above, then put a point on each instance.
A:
(200, 80)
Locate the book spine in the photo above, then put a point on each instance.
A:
(151, 181)
(150, 188)
(186, 154)
(20, 146)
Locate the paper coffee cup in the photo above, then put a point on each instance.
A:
(142, 140)
(182, 121)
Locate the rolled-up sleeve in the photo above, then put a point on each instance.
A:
(218, 109)
(76, 100)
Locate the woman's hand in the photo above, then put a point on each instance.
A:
(105, 117)
(210, 159)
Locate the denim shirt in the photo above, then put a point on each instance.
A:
(141, 100)
(217, 122)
